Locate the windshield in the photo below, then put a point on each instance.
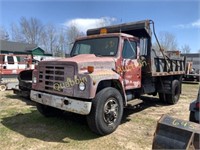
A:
(98, 46)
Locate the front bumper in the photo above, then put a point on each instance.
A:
(61, 102)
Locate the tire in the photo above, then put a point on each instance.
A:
(175, 95)
(192, 117)
(154, 93)
(198, 78)
(48, 111)
(107, 111)
(161, 97)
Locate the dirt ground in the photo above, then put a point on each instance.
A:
(23, 128)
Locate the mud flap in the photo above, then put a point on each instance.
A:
(172, 133)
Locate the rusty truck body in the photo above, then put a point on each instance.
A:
(108, 68)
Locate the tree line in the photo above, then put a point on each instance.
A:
(168, 42)
(58, 41)
(54, 40)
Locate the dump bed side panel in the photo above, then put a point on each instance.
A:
(170, 65)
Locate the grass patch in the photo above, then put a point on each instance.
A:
(23, 127)
(31, 124)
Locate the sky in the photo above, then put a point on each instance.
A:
(179, 17)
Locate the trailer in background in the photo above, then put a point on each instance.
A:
(192, 67)
(191, 73)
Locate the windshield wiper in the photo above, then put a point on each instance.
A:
(75, 55)
(98, 55)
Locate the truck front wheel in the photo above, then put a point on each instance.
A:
(107, 111)
(48, 111)
(174, 96)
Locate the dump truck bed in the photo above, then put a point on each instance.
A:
(170, 65)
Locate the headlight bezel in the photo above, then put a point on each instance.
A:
(34, 80)
(82, 86)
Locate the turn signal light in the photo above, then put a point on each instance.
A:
(90, 69)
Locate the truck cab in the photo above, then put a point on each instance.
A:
(123, 51)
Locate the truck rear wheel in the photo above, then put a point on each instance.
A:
(161, 97)
(174, 96)
(107, 111)
(48, 111)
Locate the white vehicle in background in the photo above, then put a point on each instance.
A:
(41, 58)
(10, 66)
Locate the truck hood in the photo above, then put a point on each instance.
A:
(83, 61)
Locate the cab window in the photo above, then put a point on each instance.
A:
(106, 46)
(83, 49)
(129, 50)
(10, 60)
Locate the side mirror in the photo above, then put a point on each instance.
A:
(143, 46)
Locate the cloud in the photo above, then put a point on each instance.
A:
(83, 24)
(195, 24)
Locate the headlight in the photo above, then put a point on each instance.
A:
(82, 86)
(34, 80)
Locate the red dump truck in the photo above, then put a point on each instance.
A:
(107, 68)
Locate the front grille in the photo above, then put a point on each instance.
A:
(49, 76)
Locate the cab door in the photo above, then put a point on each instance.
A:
(11, 62)
(130, 65)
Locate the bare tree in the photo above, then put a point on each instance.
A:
(60, 44)
(167, 41)
(185, 48)
(4, 34)
(73, 32)
(106, 21)
(62, 40)
(49, 38)
(31, 29)
(16, 34)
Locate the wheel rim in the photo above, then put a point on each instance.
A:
(110, 111)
